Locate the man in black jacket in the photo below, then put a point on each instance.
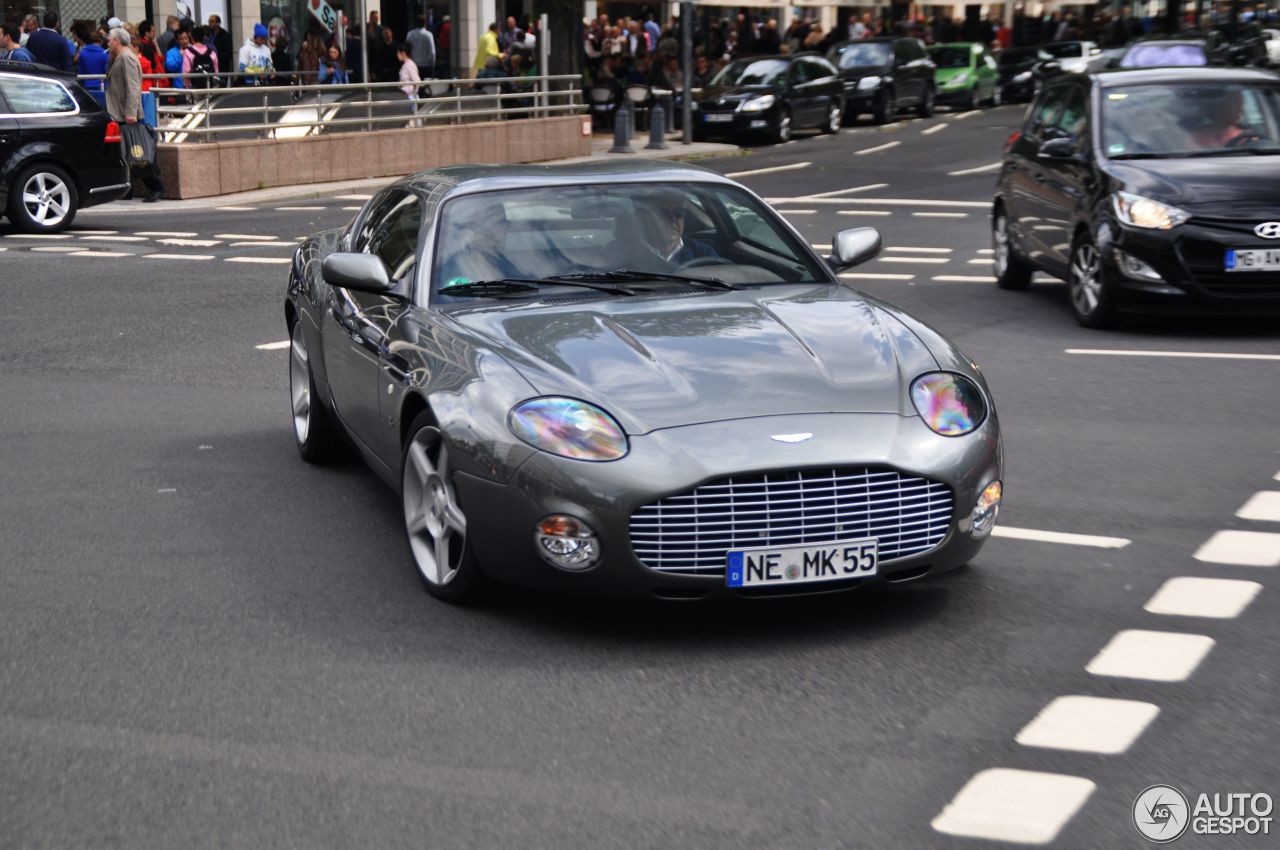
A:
(49, 47)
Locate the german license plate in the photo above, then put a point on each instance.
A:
(1253, 260)
(783, 565)
(718, 117)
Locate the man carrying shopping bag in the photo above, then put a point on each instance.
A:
(124, 105)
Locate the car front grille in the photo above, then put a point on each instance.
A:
(692, 532)
(1205, 260)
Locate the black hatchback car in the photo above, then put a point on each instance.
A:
(884, 75)
(769, 97)
(59, 151)
(1155, 190)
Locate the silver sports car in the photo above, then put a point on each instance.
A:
(634, 379)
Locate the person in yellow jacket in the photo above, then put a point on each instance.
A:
(488, 48)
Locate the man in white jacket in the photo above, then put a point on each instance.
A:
(255, 58)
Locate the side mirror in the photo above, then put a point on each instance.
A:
(1063, 148)
(853, 246)
(361, 272)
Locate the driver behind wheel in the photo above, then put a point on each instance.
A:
(1224, 127)
(662, 221)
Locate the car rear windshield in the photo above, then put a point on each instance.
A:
(862, 55)
(751, 72)
(1164, 56)
(951, 57)
(1207, 118)
(1064, 49)
(693, 229)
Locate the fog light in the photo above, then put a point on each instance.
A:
(1131, 266)
(758, 123)
(983, 518)
(567, 542)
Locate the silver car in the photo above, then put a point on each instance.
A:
(634, 380)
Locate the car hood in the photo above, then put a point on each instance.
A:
(945, 75)
(1203, 183)
(665, 361)
(734, 94)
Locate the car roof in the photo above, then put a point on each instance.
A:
(29, 69)
(1181, 74)
(465, 179)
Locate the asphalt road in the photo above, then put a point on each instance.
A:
(205, 642)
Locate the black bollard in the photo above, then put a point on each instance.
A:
(622, 129)
(657, 128)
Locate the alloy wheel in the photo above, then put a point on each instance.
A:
(995, 96)
(300, 384)
(784, 127)
(436, 525)
(1000, 243)
(834, 118)
(1086, 279)
(46, 198)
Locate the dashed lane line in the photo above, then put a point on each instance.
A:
(1039, 536)
(873, 276)
(796, 212)
(1153, 656)
(192, 257)
(250, 236)
(263, 244)
(1204, 355)
(260, 260)
(174, 234)
(56, 249)
(353, 197)
(1241, 548)
(981, 261)
(886, 146)
(1217, 598)
(114, 238)
(273, 346)
(299, 209)
(37, 236)
(101, 254)
(984, 251)
(1023, 806)
(940, 215)
(914, 250)
(851, 191)
(190, 243)
(1262, 506)
(1086, 724)
(236, 209)
(913, 259)
(960, 116)
(864, 212)
(351, 209)
(936, 128)
(978, 170)
(772, 170)
(963, 278)
(879, 202)
(79, 232)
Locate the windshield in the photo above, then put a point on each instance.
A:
(1064, 49)
(1191, 119)
(1013, 58)
(862, 55)
(751, 72)
(691, 229)
(1164, 56)
(951, 57)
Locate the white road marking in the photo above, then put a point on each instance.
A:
(1023, 806)
(56, 249)
(177, 256)
(979, 170)
(886, 146)
(940, 215)
(914, 259)
(1155, 656)
(960, 116)
(983, 261)
(190, 243)
(1059, 536)
(872, 276)
(37, 236)
(97, 232)
(838, 192)
(1276, 476)
(863, 212)
(262, 244)
(266, 261)
(1220, 598)
(102, 254)
(352, 209)
(886, 202)
(1263, 506)
(353, 197)
(299, 209)
(236, 209)
(753, 172)
(796, 212)
(985, 251)
(918, 250)
(936, 128)
(963, 278)
(252, 236)
(1207, 355)
(165, 233)
(1241, 548)
(273, 346)
(115, 238)
(1088, 724)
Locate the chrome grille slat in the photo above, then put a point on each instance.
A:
(692, 532)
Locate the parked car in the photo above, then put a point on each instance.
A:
(633, 379)
(1147, 190)
(1271, 38)
(1016, 76)
(1167, 53)
(59, 151)
(883, 75)
(770, 97)
(1243, 45)
(1074, 57)
(966, 75)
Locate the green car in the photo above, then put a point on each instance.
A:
(966, 74)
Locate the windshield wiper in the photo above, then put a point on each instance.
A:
(508, 285)
(636, 275)
(1141, 155)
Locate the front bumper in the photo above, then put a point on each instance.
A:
(958, 96)
(501, 517)
(736, 124)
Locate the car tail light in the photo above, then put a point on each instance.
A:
(1008, 145)
(113, 134)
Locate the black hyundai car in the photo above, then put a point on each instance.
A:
(884, 75)
(59, 151)
(769, 97)
(1154, 190)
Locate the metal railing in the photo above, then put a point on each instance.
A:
(198, 114)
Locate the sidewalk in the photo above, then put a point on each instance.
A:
(599, 150)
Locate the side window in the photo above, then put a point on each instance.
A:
(901, 52)
(816, 69)
(33, 96)
(1070, 122)
(1044, 111)
(394, 238)
(373, 214)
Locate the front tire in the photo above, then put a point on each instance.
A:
(925, 109)
(835, 117)
(995, 97)
(885, 108)
(1010, 270)
(1091, 297)
(433, 520)
(314, 432)
(782, 133)
(43, 199)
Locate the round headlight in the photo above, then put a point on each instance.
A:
(949, 404)
(567, 542)
(983, 518)
(569, 428)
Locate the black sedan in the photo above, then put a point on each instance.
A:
(769, 97)
(634, 379)
(59, 151)
(884, 75)
(1152, 190)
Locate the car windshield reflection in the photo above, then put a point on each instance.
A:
(751, 72)
(1205, 119)
(862, 55)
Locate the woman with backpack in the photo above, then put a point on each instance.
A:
(200, 60)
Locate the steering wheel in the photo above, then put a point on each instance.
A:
(705, 261)
(1248, 137)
